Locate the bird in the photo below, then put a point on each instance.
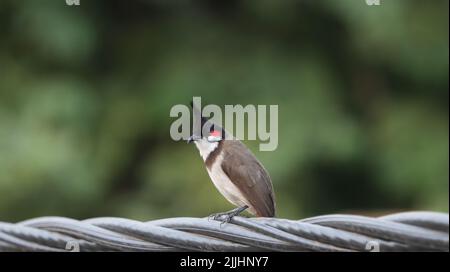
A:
(237, 174)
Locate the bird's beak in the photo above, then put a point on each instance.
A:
(191, 139)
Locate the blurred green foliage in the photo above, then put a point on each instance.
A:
(85, 94)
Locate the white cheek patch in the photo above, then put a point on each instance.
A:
(212, 139)
(205, 147)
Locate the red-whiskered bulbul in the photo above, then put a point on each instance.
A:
(236, 172)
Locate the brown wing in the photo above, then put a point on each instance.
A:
(247, 173)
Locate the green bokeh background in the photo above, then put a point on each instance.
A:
(85, 95)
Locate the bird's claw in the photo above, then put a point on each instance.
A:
(226, 217)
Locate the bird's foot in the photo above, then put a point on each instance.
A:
(225, 217)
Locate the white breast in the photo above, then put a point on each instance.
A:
(224, 185)
(205, 147)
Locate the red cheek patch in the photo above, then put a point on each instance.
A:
(215, 133)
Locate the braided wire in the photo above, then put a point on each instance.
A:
(409, 231)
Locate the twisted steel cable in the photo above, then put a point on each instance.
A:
(409, 231)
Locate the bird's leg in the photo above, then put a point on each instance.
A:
(226, 217)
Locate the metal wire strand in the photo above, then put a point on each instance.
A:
(409, 231)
